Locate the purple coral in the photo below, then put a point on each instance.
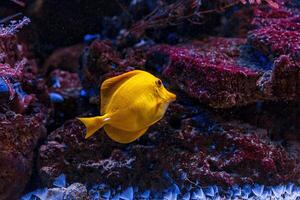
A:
(14, 26)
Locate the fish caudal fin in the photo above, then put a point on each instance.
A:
(93, 124)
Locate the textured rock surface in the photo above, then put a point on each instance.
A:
(18, 74)
(224, 72)
(61, 80)
(64, 89)
(187, 146)
(76, 191)
(232, 72)
(22, 116)
(249, 151)
(210, 71)
(19, 136)
(9, 53)
(99, 59)
(190, 145)
(64, 58)
(277, 36)
(102, 60)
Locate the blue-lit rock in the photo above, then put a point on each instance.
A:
(144, 194)
(216, 189)
(88, 38)
(41, 194)
(106, 194)
(4, 90)
(267, 193)
(56, 194)
(55, 82)
(209, 191)
(258, 189)
(94, 194)
(56, 97)
(186, 196)
(236, 190)
(76, 191)
(156, 195)
(296, 190)
(175, 189)
(289, 188)
(198, 194)
(18, 89)
(278, 191)
(127, 194)
(183, 175)
(27, 196)
(229, 194)
(168, 195)
(60, 181)
(116, 197)
(246, 191)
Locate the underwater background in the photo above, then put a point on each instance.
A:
(232, 133)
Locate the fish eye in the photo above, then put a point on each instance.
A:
(159, 83)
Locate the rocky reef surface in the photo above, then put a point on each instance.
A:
(188, 144)
(265, 66)
(232, 133)
(23, 117)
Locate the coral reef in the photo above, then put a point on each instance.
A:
(265, 67)
(276, 35)
(23, 116)
(19, 137)
(65, 58)
(233, 131)
(202, 68)
(187, 145)
(76, 191)
(102, 191)
(65, 94)
(102, 60)
(193, 145)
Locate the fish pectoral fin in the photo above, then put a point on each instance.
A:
(110, 85)
(93, 124)
(122, 136)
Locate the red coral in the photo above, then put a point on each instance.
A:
(18, 138)
(210, 71)
(224, 72)
(63, 81)
(233, 154)
(277, 35)
(271, 3)
(188, 145)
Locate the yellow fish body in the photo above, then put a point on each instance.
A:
(130, 103)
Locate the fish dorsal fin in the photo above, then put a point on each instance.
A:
(110, 85)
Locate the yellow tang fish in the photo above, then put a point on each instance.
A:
(130, 103)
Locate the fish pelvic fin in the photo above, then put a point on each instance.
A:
(93, 124)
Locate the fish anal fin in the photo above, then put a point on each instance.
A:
(122, 136)
(110, 85)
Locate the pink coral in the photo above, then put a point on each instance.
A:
(270, 2)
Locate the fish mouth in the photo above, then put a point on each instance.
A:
(170, 97)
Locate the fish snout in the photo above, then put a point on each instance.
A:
(170, 96)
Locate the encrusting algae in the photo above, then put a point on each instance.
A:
(130, 104)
